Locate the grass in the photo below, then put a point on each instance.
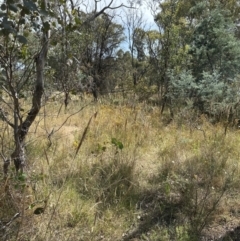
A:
(131, 176)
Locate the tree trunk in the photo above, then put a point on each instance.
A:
(20, 131)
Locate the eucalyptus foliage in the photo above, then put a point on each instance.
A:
(210, 94)
(214, 46)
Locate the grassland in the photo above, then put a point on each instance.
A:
(115, 170)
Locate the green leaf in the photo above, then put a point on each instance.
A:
(3, 7)
(167, 188)
(114, 141)
(77, 20)
(54, 42)
(54, 24)
(42, 6)
(120, 145)
(101, 148)
(13, 8)
(117, 143)
(25, 11)
(30, 5)
(22, 177)
(26, 33)
(7, 25)
(2, 14)
(21, 39)
(19, 5)
(31, 206)
(46, 26)
(23, 53)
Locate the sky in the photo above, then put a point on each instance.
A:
(90, 4)
(143, 7)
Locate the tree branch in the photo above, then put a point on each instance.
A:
(3, 116)
(96, 14)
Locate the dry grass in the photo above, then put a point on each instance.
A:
(133, 178)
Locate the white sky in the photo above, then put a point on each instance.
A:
(88, 5)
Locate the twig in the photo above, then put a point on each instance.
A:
(9, 222)
(84, 134)
(68, 118)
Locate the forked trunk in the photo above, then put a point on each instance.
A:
(20, 131)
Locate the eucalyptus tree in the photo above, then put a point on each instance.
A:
(214, 58)
(154, 48)
(215, 49)
(64, 44)
(214, 46)
(123, 72)
(17, 64)
(16, 21)
(99, 51)
(196, 41)
(168, 44)
(85, 56)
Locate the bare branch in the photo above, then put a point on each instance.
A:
(102, 11)
(53, 132)
(72, 5)
(3, 116)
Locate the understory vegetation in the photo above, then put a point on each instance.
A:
(121, 172)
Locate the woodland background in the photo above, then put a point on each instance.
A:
(115, 128)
